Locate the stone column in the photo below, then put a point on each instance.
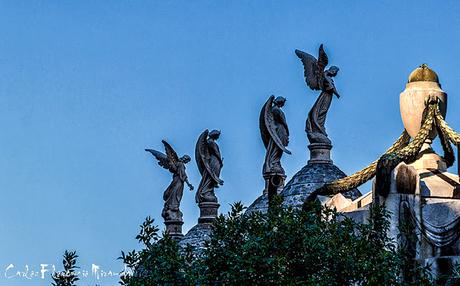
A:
(174, 228)
(428, 159)
(274, 184)
(320, 153)
(208, 212)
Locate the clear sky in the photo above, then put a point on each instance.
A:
(85, 86)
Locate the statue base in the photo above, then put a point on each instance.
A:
(320, 153)
(428, 159)
(208, 212)
(174, 229)
(274, 184)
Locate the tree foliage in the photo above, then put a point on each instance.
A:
(68, 276)
(160, 262)
(312, 246)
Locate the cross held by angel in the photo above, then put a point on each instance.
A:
(318, 77)
(173, 194)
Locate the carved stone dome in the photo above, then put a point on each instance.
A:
(310, 178)
(423, 73)
(197, 236)
(305, 181)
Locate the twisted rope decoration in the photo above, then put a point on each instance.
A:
(443, 133)
(362, 176)
(453, 136)
(400, 151)
(389, 161)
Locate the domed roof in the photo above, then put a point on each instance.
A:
(309, 178)
(423, 73)
(197, 236)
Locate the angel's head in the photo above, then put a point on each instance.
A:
(279, 101)
(185, 159)
(333, 70)
(215, 134)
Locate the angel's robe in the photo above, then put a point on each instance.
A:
(315, 129)
(173, 194)
(205, 192)
(272, 164)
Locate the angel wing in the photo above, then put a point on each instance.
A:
(313, 69)
(202, 155)
(268, 127)
(323, 60)
(264, 133)
(172, 155)
(168, 160)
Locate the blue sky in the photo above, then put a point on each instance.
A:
(86, 86)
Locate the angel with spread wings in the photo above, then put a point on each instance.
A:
(173, 194)
(318, 78)
(275, 134)
(210, 163)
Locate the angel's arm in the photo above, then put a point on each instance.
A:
(336, 93)
(214, 149)
(334, 89)
(280, 117)
(183, 176)
(330, 86)
(190, 186)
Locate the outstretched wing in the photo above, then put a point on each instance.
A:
(312, 70)
(170, 153)
(264, 133)
(322, 59)
(270, 126)
(202, 155)
(163, 160)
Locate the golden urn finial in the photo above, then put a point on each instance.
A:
(423, 73)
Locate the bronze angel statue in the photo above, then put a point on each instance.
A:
(275, 134)
(210, 163)
(173, 194)
(318, 78)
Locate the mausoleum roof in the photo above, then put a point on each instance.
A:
(305, 181)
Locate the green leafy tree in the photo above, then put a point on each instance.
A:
(285, 246)
(314, 246)
(161, 262)
(68, 276)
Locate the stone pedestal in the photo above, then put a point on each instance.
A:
(274, 184)
(428, 159)
(174, 228)
(201, 232)
(274, 181)
(208, 212)
(320, 153)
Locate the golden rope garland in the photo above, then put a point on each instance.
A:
(446, 134)
(453, 136)
(389, 161)
(400, 151)
(364, 175)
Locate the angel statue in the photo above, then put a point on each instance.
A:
(173, 194)
(275, 134)
(318, 78)
(209, 163)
